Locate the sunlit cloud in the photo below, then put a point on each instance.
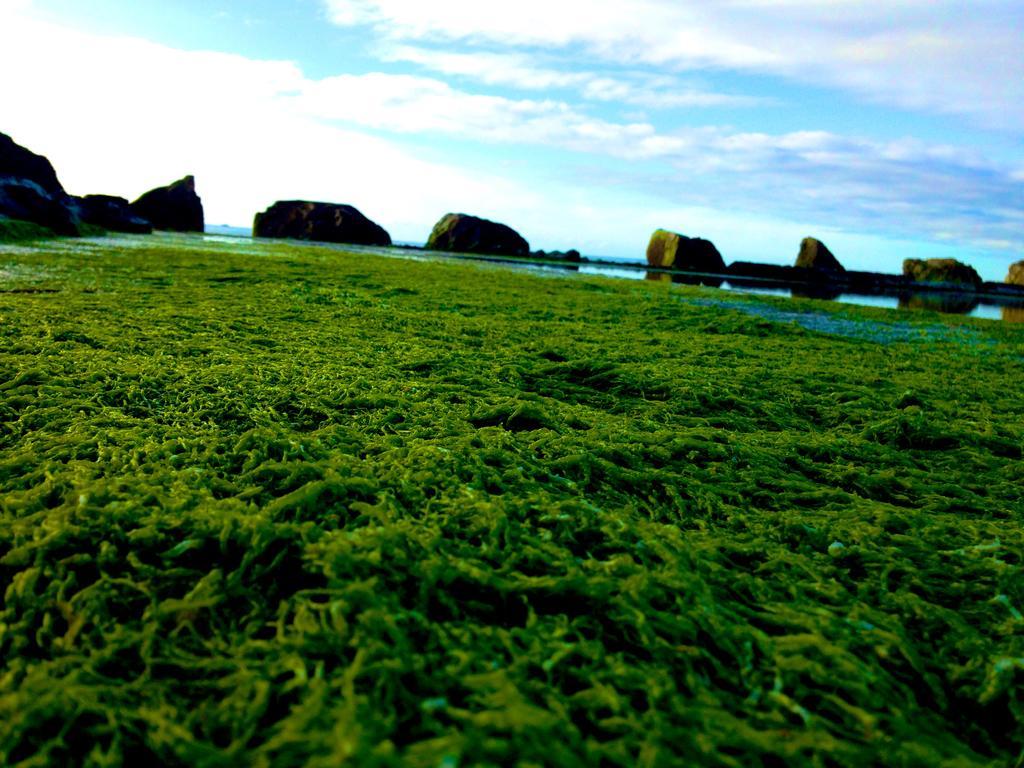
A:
(937, 56)
(398, 145)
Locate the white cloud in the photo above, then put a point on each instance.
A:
(520, 71)
(944, 56)
(157, 113)
(257, 131)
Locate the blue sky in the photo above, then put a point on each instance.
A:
(887, 129)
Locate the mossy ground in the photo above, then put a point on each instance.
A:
(280, 505)
(16, 231)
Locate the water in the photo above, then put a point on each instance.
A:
(949, 303)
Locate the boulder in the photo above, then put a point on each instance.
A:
(113, 213)
(16, 162)
(947, 271)
(461, 233)
(26, 200)
(325, 222)
(671, 250)
(1016, 274)
(176, 207)
(815, 255)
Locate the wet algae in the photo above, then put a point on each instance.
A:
(268, 504)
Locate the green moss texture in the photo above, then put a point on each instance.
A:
(272, 505)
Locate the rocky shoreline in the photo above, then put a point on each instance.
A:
(31, 192)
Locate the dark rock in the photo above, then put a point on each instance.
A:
(670, 250)
(176, 207)
(461, 233)
(765, 272)
(325, 222)
(815, 255)
(942, 271)
(1006, 290)
(26, 200)
(16, 162)
(872, 282)
(572, 256)
(1016, 274)
(113, 213)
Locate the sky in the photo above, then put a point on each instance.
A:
(888, 130)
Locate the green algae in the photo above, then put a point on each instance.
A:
(16, 231)
(300, 507)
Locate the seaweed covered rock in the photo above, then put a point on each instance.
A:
(693, 254)
(462, 233)
(326, 222)
(17, 162)
(27, 201)
(815, 255)
(947, 271)
(109, 212)
(1016, 274)
(175, 207)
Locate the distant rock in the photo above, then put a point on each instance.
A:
(175, 207)
(325, 222)
(758, 271)
(108, 212)
(815, 255)
(670, 250)
(1016, 274)
(461, 233)
(947, 271)
(573, 256)
(26, 200)
(16, 162)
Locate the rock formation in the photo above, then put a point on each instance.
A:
(461, 233)
(1016, 274)
(325, 222)
(30, 190)
(815, 255)
(948, 271)
(670, 250)
(113, 213)
(16, 162)
(175, 207)
(26, 200)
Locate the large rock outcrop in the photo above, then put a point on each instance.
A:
(30, 190)
(943, 271)
(325, 222)
(815, 255)
(17, 162)
(670, 250)
(26, 200)
(175, 207)
(461, 233)
(1016, 274)
(109, 212)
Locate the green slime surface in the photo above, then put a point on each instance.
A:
(267, 504)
